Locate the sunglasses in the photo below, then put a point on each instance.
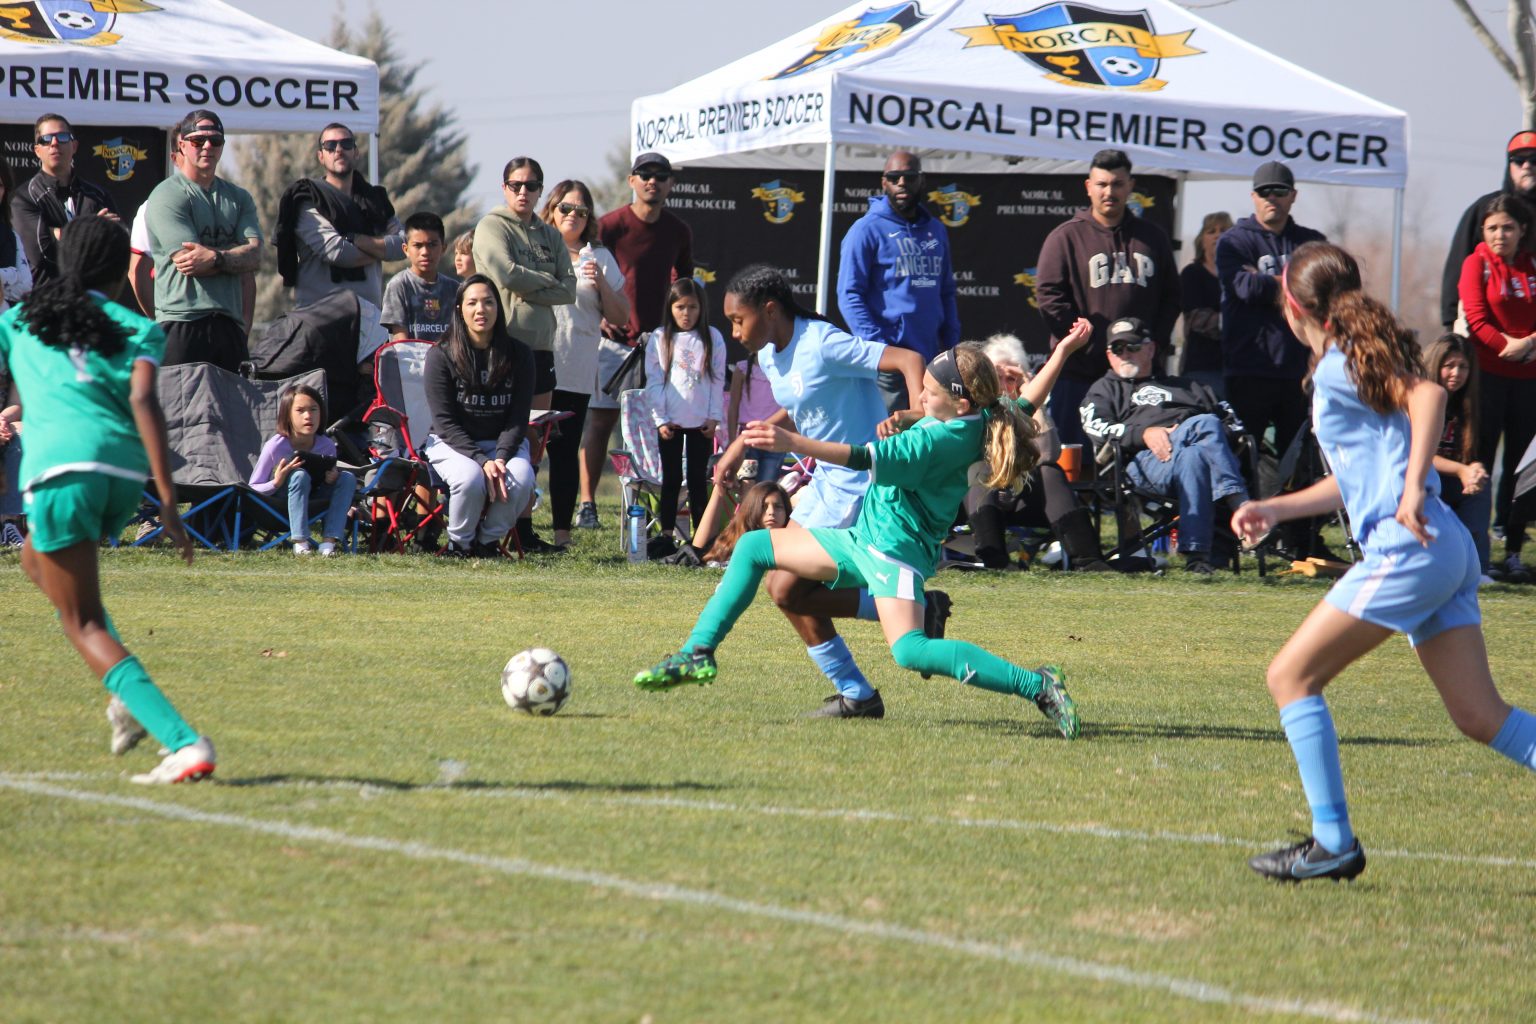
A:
(654, 175)
(1120, 348)
(199, 141)
(524, 186)
(1273, 192)
(345, 145)
(1519, 160)
(571, 209)
(62, 138)
(896, 176)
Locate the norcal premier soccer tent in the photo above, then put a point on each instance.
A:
(1040, 86)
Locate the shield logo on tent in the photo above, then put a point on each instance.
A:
(121, 155)
(81, 22)
(1076, 44)
(1026, 280)
(876, 28)
(779, 198)
(955, 202)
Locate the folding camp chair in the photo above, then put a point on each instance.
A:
(398, 423)
(638, 462)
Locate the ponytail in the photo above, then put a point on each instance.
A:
(93, 256)
(1009, 446)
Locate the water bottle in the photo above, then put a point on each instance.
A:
(634, 533)
(584, 257)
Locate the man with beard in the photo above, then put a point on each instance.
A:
(1519, 181)
(895, 283)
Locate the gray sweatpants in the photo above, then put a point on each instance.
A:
(468, 490)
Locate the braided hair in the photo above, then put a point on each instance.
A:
(93, 256)
(759, 283)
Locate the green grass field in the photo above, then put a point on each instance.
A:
(386, 841)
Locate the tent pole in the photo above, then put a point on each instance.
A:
(824, 256)
(1397, 248)
(373, 159)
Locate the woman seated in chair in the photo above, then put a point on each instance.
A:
(479, 383)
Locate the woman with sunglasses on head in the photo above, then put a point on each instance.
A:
(1498, 292)
(579, 343)
(1378, 421)
(531, 267)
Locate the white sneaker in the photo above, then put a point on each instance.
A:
(126, 730)
(11, 536)
(303, 548)
(190, 763)
(327, 548)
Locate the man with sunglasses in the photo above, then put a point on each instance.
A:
(1173, 433)
(895, 281)
(335, 232)
(205, 238)
(1520, 182)
(54, 196)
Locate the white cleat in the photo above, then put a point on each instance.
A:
(126, 730)
(190, 763)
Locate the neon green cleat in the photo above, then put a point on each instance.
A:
(678, 670)
(1054, 702)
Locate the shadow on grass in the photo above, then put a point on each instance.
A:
(1152, 731)
(467, 785)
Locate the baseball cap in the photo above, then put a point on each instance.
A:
(651, 160)
(1273, 173)
(1521, 140)
(197, 121)
(1128, 328)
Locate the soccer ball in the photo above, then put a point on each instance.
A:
(536, 681)
(76, 20)
(1122, 66)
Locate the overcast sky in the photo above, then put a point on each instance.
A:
(556, 82)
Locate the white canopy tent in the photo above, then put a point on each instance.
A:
(133, 62)
(1042, 90)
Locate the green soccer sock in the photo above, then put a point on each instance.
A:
(965, 662)
(143, 699)
(752, 558)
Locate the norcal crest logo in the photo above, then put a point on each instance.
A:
(875, 29)
(1140, 203)
(1026, 280)
(121, 156)
(1076, 44)
(80, 22)
(702, 275)
(779, 199)
(955, 203)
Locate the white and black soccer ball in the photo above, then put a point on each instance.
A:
(536, 681)
(77, 20)
(1125, 67)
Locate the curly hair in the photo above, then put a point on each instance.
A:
(93, 256)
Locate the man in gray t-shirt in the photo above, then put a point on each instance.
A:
(418, 301)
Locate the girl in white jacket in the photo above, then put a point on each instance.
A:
(685, 388)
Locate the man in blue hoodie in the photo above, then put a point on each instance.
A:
(895, 284)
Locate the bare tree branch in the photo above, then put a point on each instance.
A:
(1486, 37)
(1524, 35)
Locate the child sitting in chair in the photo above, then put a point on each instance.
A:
(303, 460)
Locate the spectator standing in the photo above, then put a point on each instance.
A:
(1520, 182)
(336, 232)
(205, 236)
(418, 301)
(653, 247)
(53, 196)
(578, 340)
(685, 389)
(1103, 264)
(1200, 301)
(1498, 291)
(895, 280)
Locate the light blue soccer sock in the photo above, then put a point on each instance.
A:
(1517, 739)
(145, 702)
(867, 610)
(1309, 728)
(836, 663)
(966, 662)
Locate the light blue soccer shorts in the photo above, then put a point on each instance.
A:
(1406, 587)
(819, 504)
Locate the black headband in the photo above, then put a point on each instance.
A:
(946, 371)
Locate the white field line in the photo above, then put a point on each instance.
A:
(1183, 988)
(859, 815)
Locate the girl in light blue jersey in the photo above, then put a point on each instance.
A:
(1379, 422)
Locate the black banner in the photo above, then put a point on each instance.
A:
(997, 224)
(127, 162)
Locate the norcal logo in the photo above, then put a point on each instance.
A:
(779, 199)
(875, 29)
(1026, 280)
(702, 275)
(1140, 203)
(121, 155)
(81, 22)
(956, 204)
(1076, 44)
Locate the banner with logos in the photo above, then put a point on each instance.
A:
(127, 162)
(996, 223)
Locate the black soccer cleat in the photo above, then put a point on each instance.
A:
(937, 608)
(838, 706)
(1307, 860)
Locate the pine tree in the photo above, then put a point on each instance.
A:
(423, 164)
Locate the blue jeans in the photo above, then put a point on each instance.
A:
(304, 492)
(10, 465)
(1474, 510)
(1066, 411)
(1201, 472)
(770, 465)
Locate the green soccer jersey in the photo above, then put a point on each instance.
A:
(917, 481)
(179, 210)
(74, 404)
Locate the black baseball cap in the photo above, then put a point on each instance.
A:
(1128, 328)
(655, 160)
(200, 121)
(1273, 173)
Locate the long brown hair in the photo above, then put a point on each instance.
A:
(1323, 282)
(550, 213)
(1463, 403)
(748, 516)
(1009, 448)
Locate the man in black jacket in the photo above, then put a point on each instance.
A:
(1519, 181)
(1174, 432)
(54, 196)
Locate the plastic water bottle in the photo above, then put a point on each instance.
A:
(634, 533)
(584, 257)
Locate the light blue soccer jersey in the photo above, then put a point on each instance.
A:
(1368, 450)
(826, 380)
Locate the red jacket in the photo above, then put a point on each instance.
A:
(1499, 299)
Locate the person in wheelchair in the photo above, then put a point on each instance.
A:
(1173, 433)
